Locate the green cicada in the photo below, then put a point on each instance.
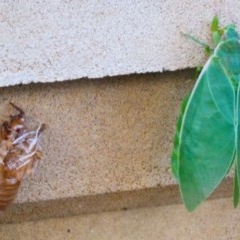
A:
(207, 139)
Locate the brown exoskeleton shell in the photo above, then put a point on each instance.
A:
(19, 155)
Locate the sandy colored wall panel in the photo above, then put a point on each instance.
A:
(106, 136)
(107, 145)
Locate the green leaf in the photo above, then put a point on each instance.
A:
(216, 36)
(215, 24)
(207, 138)
(175, 152)
(236, 190)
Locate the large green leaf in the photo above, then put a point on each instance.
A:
(207, 138)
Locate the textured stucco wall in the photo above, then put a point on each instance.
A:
(107, 141)
(106, 136)
(102, 136)
(215, 220)
(107, 145)
(45, 41)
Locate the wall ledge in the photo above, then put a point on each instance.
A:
(47, 41)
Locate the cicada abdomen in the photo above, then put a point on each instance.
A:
(20, 154)
(8, 191)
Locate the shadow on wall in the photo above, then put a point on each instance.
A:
(151, 197)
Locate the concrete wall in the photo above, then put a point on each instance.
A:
(107, 145)
(108, 141)
(215, 220)
(45, 41)
(103, 136)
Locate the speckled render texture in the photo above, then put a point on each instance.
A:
(215, 220)
(45, 41)
(108, 141)
(107, 145)
(106, 136)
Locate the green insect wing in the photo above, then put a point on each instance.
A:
(207, 140)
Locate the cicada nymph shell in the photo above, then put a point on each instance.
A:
(20, 153)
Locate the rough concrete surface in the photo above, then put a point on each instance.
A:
(106, 136)
(214, 220)
(107, 145)
(45, 41)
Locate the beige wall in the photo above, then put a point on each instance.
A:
(108, 141)
(107, 145)
(214, 220)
